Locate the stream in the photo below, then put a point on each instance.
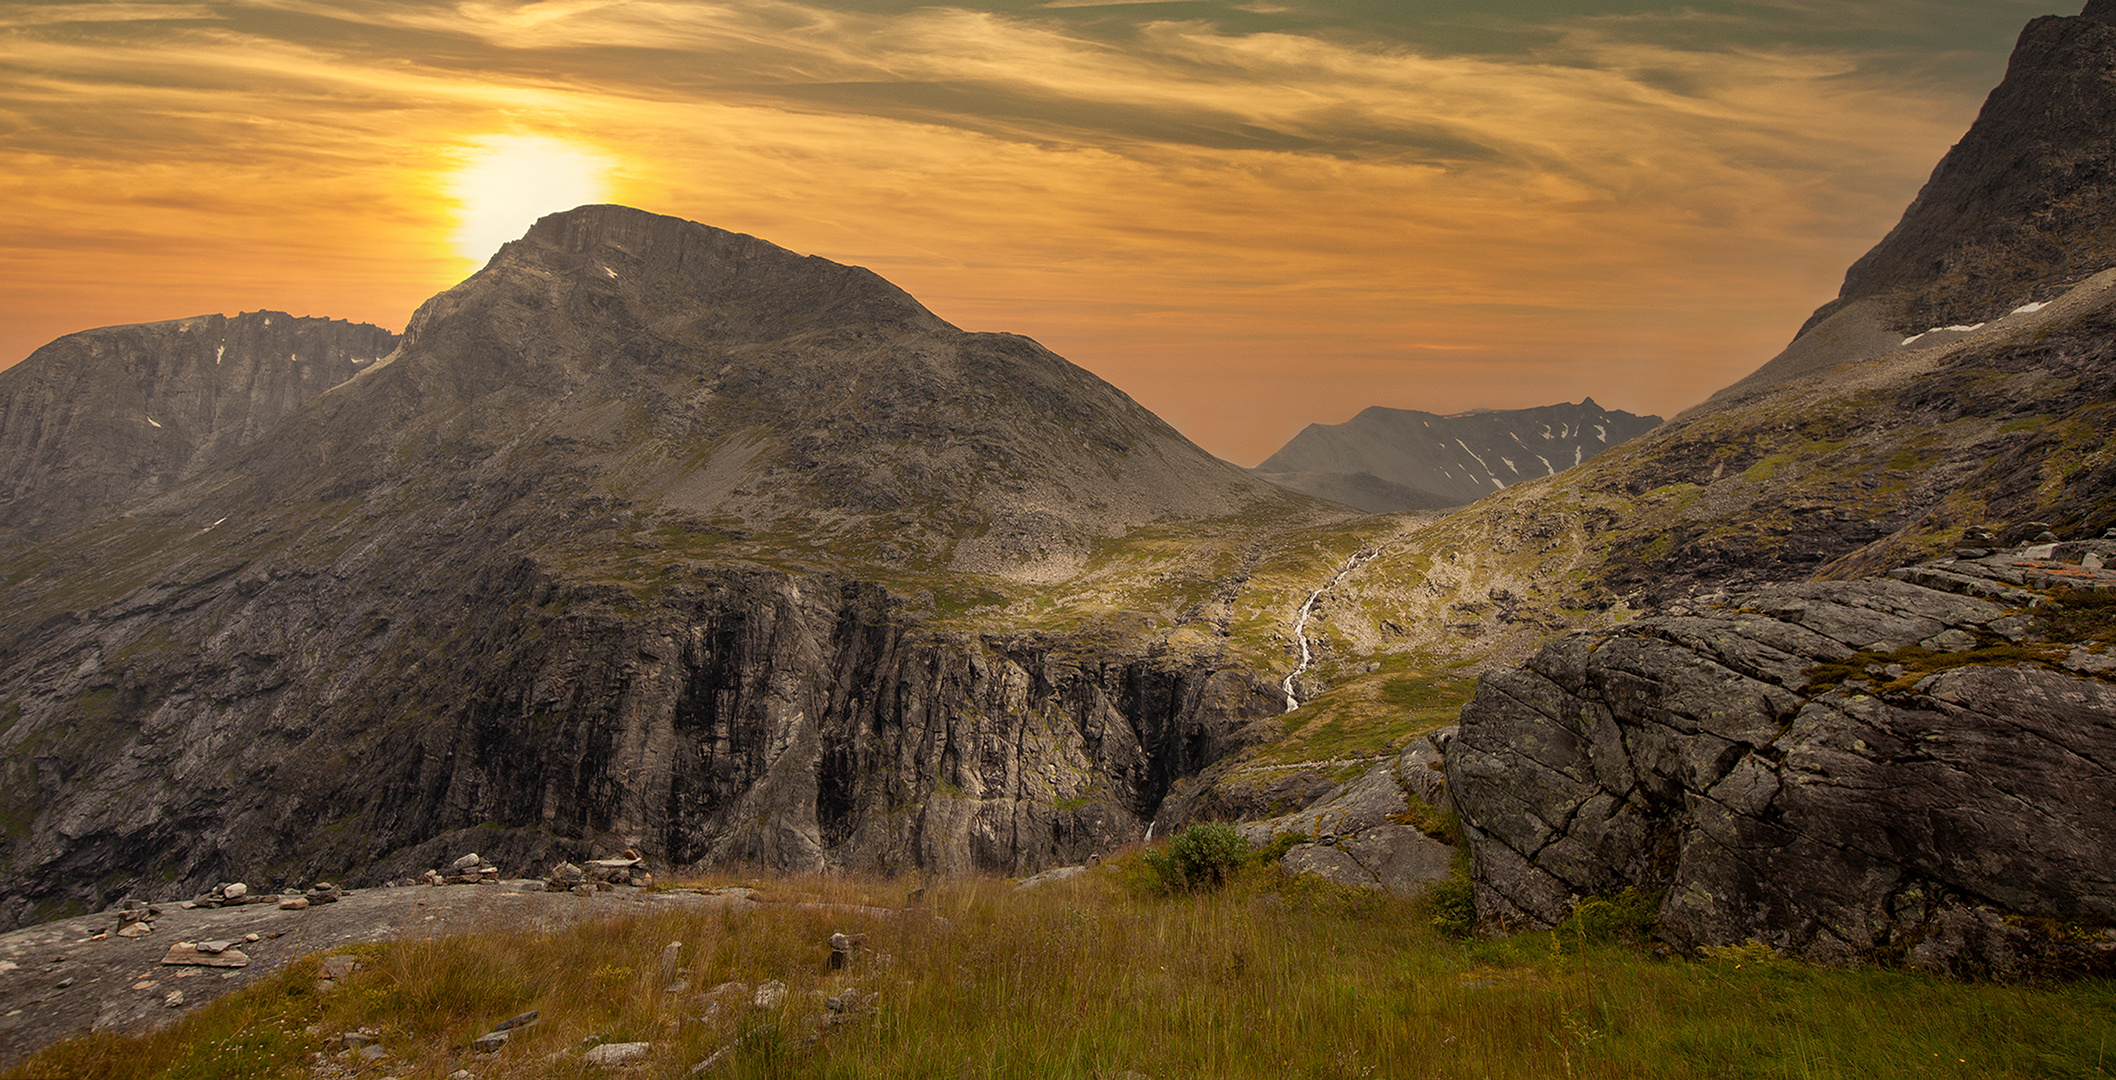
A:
(1300, 624)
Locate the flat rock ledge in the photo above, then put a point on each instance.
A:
(1962, 822)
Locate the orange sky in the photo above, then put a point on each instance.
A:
(1250, 216)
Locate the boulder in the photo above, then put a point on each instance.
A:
(1391, 858)
(611, 1054)
(1851, 818)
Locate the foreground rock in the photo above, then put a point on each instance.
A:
(1865, 771)
(1357, 833)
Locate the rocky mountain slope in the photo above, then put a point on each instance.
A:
(1386, 460)
(1863, 448)
(630, 541)
(2018, 212)
(103, 418)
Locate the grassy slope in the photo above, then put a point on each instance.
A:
(1094, 978)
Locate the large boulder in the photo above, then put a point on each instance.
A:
(1777, 770)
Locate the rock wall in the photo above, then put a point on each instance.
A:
(1957, 820)
(741, 716)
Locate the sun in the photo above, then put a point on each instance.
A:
(506, 182)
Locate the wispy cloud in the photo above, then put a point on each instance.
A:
(1166, 192)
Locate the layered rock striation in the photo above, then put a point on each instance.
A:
(1894, 769)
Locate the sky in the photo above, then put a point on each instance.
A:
(1250, 216)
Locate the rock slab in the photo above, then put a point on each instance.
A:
(1962, 824)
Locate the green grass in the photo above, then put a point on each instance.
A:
(2075, 615)
(1091, 978)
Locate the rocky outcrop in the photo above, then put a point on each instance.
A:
(103, 418)
(1871, 770)
(1358, 833)
(1385, 460)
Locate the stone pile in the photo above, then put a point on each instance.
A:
(135, 918)
(236, 894)
(471, 869)
(220, 954)
(600, 875)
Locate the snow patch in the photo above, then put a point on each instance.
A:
(1509, 463)
(210, 528)
(609, 271)
(1963, 329)
(1912, 338)
(1576, 452)
(151, 423)
(1548, 469)
(1601, 433)
(220, 352)
(1488, 470)
(2026, 308)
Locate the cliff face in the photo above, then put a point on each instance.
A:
(97, 420)
(747, 716)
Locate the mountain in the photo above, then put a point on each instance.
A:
(647, 534)
(99, 419)
(2018, 212)
(1384, 460)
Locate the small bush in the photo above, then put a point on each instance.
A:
(1199, 857)
(2076, 615)
(1271, 853)
(1454, 906)
(1627, 917)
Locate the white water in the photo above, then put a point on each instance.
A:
(1300, 624)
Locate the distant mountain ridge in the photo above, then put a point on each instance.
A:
(104, 417)
(1385, 460)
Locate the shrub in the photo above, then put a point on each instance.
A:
(1272, 852)
(1627, 916)
(1454, 907)
(1199, 857)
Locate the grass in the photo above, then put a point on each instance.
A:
(1268, 977)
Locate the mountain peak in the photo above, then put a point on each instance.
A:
(2023, 206)
(2021, 210)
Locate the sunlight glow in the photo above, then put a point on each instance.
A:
(506, 182)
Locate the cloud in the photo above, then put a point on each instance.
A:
(1165, 192)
